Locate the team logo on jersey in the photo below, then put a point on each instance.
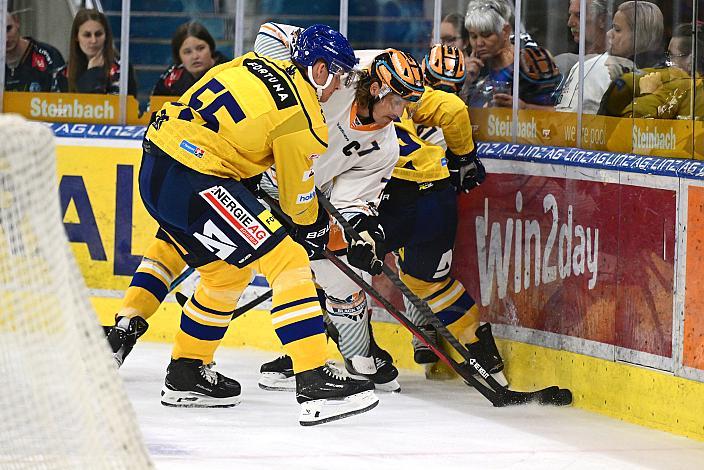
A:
(38, 61)
(276, 84)
(313, 156)
(306, 197)
(192, 149)
(215, 240)
(308, 174)
(251, 229)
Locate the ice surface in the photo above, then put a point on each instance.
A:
(429, 425)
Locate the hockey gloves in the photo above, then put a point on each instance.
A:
(314, 237)
(466, 171)
(367, 254)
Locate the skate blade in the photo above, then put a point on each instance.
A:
(196, 400)
(276, 382)
(316, 412)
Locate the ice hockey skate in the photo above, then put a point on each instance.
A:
(422, 354)
(378, 368)
(191, 384)
(486, 352)
(326, 396)
(124, 335)
(277, 375)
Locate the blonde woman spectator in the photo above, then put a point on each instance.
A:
(662, 92)
(625, 49)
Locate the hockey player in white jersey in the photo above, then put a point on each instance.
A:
(359, 160)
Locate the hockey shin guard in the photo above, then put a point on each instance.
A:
(208, 312)
(295, 314)
(150, 284)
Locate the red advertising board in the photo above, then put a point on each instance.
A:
(586, 259)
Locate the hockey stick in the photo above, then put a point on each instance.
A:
(185, 274)
(182, 299)
(488, 393)
(498, 395)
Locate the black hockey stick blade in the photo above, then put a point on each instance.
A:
(182, 299)
(550, 395)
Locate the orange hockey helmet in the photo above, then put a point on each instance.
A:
(398, 73)
(443, 68)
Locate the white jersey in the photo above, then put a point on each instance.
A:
(360, 158)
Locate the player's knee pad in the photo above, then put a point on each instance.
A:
(221, 285)
(166, 254)
(350, 319)
(285, 266)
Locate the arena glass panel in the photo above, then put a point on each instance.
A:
(402, 24)
(644, 103)
(302, 14)
(44, 86)
(172, 47)
(548, 51)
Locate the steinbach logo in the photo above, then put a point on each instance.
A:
(248, 226)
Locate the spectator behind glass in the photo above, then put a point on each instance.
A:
(596, 22)
(679, 51)
(662, 92)
(31, 65)
(453, 33)
(490, 66)
(93, 65)
(635, 44)
(193, 51)
(596, 75)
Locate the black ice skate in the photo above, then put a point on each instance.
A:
(277, 375)
(325, 395)
(191, 384)
(379, 369)
(123, 336)
(422, 354)
(486, 352)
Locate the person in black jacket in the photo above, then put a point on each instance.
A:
(193, 50)
(93, 65)
(31, 65)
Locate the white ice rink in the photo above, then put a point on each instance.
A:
(429, 425)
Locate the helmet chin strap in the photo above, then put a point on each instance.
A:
(319, 88)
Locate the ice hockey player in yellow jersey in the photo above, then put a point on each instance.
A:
(233, 124)
(419, 207)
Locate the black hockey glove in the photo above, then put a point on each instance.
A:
(367, 254)
(466, 171)
(314, 237)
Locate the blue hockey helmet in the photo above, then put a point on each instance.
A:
(321, 42)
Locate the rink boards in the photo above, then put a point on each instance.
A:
(578, 258)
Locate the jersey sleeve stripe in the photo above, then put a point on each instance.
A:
(298, 96)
